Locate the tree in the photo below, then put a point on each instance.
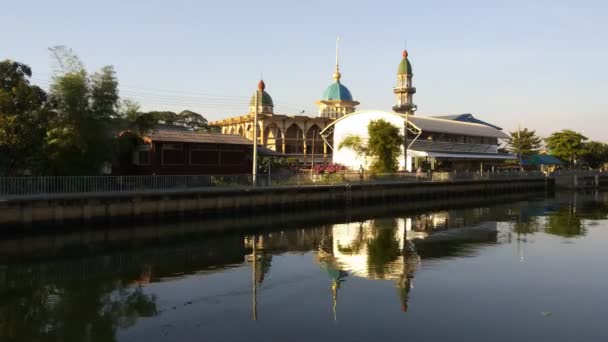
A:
(566, 145)
(383, 146)
(186, 118)
(192, 120)
(78, 139)
(595, 154)
(524, 142)
(24, 116)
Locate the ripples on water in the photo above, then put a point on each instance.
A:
(527, 270)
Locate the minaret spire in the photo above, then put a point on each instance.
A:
(404, 90)
(337, 74)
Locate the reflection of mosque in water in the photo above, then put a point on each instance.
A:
(380, 249)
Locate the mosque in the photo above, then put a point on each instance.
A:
(455, 142)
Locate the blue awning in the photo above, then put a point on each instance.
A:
(541, 159)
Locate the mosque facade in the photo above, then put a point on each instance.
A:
(450, 142)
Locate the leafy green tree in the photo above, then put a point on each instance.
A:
(192, 120)
(524, 142)
(595, 154)
(77, 142)
(104, 93)
(566, 145)
(383, 146)
(24, 116)
(187, 119)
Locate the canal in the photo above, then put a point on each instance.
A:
(520, 268)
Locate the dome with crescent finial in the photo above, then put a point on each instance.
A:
(405, 68)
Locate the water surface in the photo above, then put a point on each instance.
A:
(531, 270)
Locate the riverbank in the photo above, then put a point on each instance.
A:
(103, 207)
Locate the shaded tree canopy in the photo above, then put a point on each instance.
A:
(595, 154)
(566, 145)
(185, 118)
(24, 115)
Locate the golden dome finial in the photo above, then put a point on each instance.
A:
(337, 74)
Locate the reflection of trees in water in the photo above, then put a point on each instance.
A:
(527, 225)
(567, 219)
(565, 222)
(79, 311)
(383, 248)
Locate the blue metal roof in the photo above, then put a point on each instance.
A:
(466, 118)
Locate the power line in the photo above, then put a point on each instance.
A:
(203, 100)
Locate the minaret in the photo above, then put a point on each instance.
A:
(404, 90)
(337, 100)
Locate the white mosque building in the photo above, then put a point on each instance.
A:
(433, 142)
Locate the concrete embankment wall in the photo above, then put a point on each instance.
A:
(107, 207)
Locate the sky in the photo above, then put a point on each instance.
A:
(534, 63)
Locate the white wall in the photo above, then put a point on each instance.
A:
(356, 123)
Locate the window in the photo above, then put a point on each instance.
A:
(173, 154)
(141, 155)
(232, 155)
(204, 154)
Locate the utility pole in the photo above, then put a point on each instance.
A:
(405, 141)
(519, 145)
(312, 162)
(254, 171)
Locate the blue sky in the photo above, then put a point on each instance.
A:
(539, 63)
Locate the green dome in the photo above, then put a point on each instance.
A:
(405, 68)
(337, 91)
(265, 99)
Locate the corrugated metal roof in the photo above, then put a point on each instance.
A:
(196, 137)
(467, 117)
(430, 124)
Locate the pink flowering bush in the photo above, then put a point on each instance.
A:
(328, 169)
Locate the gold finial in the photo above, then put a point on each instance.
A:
(337, 74)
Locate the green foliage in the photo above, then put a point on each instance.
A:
(566, 145)
(274, 163)
(566, 223)
(24, 118)
(104, 93)
(78, 139)
(384, 247)
(595, 154)
(188, 119)
(524, 142)
(355, 143)
(383, 146)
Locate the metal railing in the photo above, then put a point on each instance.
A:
(16, 187)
